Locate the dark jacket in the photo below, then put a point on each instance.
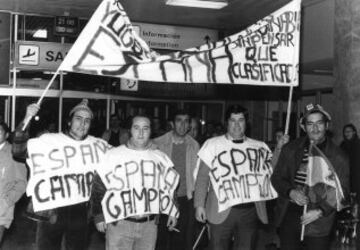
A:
(283, 181)
(352, 148)
(97, 194)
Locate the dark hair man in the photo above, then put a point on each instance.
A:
(226, 161)
(182, 149)
(140, 231)
(290, 177)
(115, 135)
(62, 221)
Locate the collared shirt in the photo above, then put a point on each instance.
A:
(176, 139)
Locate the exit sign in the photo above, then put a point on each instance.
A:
(66, 26)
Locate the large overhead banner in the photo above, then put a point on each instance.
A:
(266, 53)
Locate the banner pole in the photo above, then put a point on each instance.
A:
(288, 112)
(26, 122)
(199, 237)
(303, 226)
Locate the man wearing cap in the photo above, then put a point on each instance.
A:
(65, 221)
(289, 179)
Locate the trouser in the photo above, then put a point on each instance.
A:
(71, 224)
(358, 229)
(239, 230)
(2, 230)
(184, 239)
(128, 235)
(290, 232)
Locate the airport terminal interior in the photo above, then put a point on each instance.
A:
(36, 36)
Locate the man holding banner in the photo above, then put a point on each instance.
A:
(137, 183)
(62, 167)
(311, 177)
(239, 170)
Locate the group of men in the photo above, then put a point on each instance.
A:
(225, 184)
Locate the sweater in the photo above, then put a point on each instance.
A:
(165, 144)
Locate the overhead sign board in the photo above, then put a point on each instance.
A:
(66, 26)
(29, 54)
(175, 37)
(40, 55)
(129, 85)
(33, 55)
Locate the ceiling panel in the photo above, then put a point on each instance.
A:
(237, 15)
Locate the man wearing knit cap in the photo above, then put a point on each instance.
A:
(80, 120)
(292, 178)
(65, 163)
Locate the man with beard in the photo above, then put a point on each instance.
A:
(69, 222)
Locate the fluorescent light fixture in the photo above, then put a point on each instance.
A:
(40, 33)
(53, 72)
(211, 4)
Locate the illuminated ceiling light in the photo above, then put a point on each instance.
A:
(40, 33)
(53, 72)
(211, 4)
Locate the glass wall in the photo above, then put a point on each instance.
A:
(4, 109)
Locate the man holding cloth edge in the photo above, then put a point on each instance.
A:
(126, 192)
(293, 181)
(68, 217)
(238, 170)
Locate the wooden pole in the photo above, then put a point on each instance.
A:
(26, 122)
(288, 111)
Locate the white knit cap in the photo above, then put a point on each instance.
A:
(83, 105)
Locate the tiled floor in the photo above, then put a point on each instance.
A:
(21, 236)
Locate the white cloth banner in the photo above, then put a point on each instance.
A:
(62, 169)
(138, 183)
(266, 53)
(239, 173)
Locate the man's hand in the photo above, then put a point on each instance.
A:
(31, 111)
(298, 197)
(200, 214)
(284, 139)
(101, 226)
(310, 216)
(171, 223)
